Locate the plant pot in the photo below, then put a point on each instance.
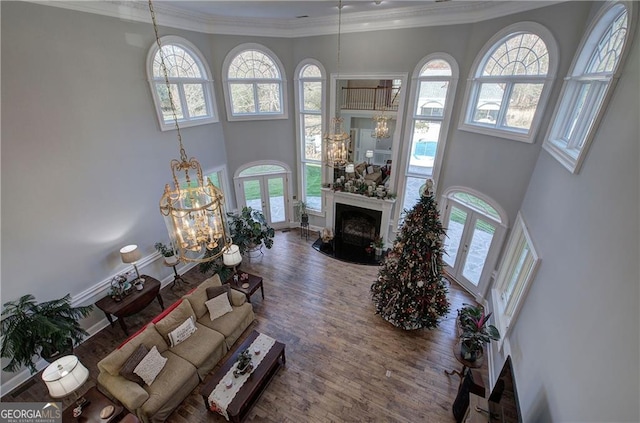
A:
(304, 218)
(51, 356)
(469, 353)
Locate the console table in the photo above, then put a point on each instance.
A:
(133, 303)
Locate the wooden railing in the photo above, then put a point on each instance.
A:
(366, 98)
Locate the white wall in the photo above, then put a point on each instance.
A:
(575, 345)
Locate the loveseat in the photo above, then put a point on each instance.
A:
(186, 363)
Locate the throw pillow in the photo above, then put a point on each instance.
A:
(214, 291)
(218, 306)
(134, 359)
(150, 366)
(182, 332)
(174, 319)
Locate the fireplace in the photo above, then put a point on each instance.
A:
(356, 226)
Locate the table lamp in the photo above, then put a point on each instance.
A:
(131, 254)
(232, 258)
(65, 376)
(368, 154)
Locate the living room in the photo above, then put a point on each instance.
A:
(81, 139)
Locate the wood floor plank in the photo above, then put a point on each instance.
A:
(338, 350)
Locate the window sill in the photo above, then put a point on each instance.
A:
(527, 137)
(240, 118)
(562, 155)
(187, 123)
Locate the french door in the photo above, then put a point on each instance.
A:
(472, 243)
(267, 193)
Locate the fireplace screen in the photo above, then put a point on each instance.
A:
(356, 226)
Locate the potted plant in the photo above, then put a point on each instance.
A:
(249, 230)
(378, 244)
(474, 331)
(302, 210)
(47, 330)
(167, 251)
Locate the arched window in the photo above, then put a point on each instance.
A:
(510, 82)
(255, 85)
(590, 83)
(190, 81)
(432, 91)
(310, 104)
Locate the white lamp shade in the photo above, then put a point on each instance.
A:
(130, 254)
(369, 154)
(350, 168)
(64, 376)
(231, 257)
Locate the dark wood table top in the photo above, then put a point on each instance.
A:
(91, 412)
(249, 390)
(132, 303)
(254, 281)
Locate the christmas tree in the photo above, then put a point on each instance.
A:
(409, 292)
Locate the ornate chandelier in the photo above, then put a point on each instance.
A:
(337, 140)
(193, 211)
(381, 129)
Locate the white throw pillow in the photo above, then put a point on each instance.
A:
(218, 306)
(150, 366)
(182, 332)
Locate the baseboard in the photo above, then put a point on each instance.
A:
(88, 296)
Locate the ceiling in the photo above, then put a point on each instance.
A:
(302, 18)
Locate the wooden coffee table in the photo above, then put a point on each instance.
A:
(254, 282)
(254, 386)
(91, 412)
(133, 303)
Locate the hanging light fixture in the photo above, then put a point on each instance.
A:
(381, 129)
(193, 211)
(337, 140)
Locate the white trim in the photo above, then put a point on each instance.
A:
(506, 322)
(423, 15)
(207, 81)
(298, 123)
(552, 144)
(284, 96)
(407, 142)
(471, 90)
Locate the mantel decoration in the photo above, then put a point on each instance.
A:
(193, 210)
(337, 140)
(362, 187)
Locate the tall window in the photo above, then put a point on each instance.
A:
(432, 91)
(190, 81)
(515, 275)
(255, 85)
(589, 85)
(510, 82)
(310, 101)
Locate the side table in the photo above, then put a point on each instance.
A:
(176, 278)
(254, 282)
(91, 412)
(304, 230)
(133, 303)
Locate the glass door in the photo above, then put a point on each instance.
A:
(266, 193)
(468, 246)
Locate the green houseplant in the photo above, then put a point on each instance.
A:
(166, 251)
(475, 331)
(249, 229)
(302, 211)
(31, 329)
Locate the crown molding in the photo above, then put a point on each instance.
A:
(426, 14)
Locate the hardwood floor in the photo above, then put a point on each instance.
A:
(338, 351)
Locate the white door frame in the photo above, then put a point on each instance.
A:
(286, 175)
(488, 270)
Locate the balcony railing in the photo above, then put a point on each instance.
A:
(366, 98)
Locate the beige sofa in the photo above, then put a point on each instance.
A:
(187, 363)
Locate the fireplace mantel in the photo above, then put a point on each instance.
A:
(383, 205)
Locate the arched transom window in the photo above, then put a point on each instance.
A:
(190, 82)
(588, 87)
(254, 84)
(510, 82)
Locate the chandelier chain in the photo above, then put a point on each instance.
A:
(163, 66)
(339, 32)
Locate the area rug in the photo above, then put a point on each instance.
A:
(347, 252)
